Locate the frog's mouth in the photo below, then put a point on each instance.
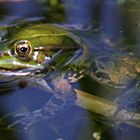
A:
(21, 71)
(24, 72)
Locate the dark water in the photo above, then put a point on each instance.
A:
(116, 21)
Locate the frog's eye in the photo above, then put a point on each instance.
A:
(23, 49)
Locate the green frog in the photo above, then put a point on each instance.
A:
(51, 57)
(46, 56)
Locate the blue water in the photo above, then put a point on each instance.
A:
(104, 18)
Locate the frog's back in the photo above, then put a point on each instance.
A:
(40, 29)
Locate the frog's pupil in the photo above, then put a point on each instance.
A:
(24, 49)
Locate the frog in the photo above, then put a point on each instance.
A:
(45, 56)
(52, 57)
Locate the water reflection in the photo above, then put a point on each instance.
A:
(111, 19)
(75, 123)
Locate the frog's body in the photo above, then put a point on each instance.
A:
(46, 54)
(44, 40)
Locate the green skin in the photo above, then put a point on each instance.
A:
(56, 51)
(46, 41)
(39, 36)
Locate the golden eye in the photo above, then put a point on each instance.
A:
(23, 49)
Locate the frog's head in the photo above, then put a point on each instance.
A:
(33, 48)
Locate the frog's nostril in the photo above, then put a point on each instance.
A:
(3, 36)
